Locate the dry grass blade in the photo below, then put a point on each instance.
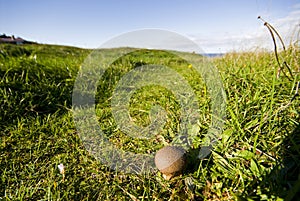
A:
(280, 68)
(132, 197)
(296, 91)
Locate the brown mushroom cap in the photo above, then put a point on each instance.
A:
(170, 160)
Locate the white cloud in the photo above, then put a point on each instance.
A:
(260, 37)
(289, 25)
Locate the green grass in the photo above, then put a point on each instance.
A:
(258, 157)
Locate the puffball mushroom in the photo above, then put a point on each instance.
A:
(170, 160)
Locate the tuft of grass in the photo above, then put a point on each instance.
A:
(257, 157)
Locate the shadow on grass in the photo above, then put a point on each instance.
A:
(286, 175)
(284, 179)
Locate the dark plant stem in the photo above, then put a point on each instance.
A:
(280, 68)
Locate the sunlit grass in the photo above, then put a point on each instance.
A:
(257, 157)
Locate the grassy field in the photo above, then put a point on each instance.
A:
(258, 157)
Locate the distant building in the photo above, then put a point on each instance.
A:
(12, 40)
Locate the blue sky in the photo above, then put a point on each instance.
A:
(215, 25)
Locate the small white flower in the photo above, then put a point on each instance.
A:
(61, 168)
